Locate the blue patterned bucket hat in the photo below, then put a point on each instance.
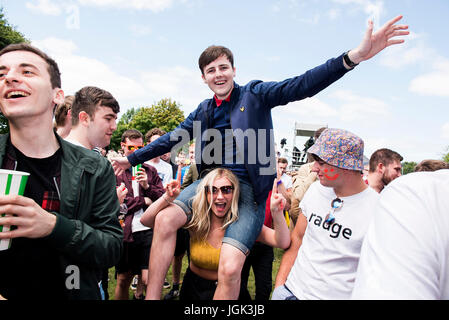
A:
(340, 148)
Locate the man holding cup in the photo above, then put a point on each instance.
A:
(66, 226)
(144, 186)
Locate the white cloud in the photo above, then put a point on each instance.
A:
(358, 108)
(181, 84)
(48, 7)
(400, 56)
(434, 83)
(415, 50)
(273, 59)
(401, 144)
(373, 8)
(78, 71)
(346, 106)
(45, 7)
(305, 11)
(310, 108)
(445, 131)
(276, 8)
(55, 46)
(140, 30)
(333, 14)
(152, 5)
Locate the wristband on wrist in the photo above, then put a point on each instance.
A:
(166, 200)
(348, 61)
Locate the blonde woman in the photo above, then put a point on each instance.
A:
(214, 208)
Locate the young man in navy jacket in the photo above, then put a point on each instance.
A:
(234, 130)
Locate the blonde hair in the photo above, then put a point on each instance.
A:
(201, 208)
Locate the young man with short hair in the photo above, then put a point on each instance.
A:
(234, 130)
(137, 237)
(93, 121)
(67, 226)
(94, 115)
(285, 181)
(384, 167)
(322, 260)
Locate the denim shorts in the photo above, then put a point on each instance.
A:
(242, 233)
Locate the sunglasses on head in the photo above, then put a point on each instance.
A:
(224, 189)
(132, 148)
(336, 204)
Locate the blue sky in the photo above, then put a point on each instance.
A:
(145, 50)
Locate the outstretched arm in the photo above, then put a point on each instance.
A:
(373, 43)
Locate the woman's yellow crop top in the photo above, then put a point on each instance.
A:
(203, 255)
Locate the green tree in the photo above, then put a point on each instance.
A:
(8, 35)
(142, 121)
(446, 156)
(122, 126)
(165, 114)
(408, 167)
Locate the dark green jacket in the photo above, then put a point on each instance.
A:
(87, 233)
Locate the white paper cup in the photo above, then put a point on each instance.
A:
(11, 182)
(134, 182)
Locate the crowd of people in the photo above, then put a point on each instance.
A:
(344, 232)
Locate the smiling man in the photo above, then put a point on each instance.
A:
(222, 119)
(333, 219)
(67, 226)
(384, 167)
(94, 115)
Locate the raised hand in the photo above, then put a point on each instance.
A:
(122, 191)
(373, 43)
(142, 178)
(277, 201)
(173, 188)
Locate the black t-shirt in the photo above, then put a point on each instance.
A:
(30, 269)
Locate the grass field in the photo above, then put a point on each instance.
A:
(251, 286)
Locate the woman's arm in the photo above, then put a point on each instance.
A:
(173, 191)
(278, 237)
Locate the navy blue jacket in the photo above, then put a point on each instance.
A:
(250, 107)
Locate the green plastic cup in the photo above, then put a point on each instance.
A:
(11, 182)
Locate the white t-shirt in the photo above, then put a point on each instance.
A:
(136, 225)
(164, 170)
(327, 260)
(405, 254)
(287, 181)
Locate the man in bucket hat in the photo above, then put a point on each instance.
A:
(322, 260)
